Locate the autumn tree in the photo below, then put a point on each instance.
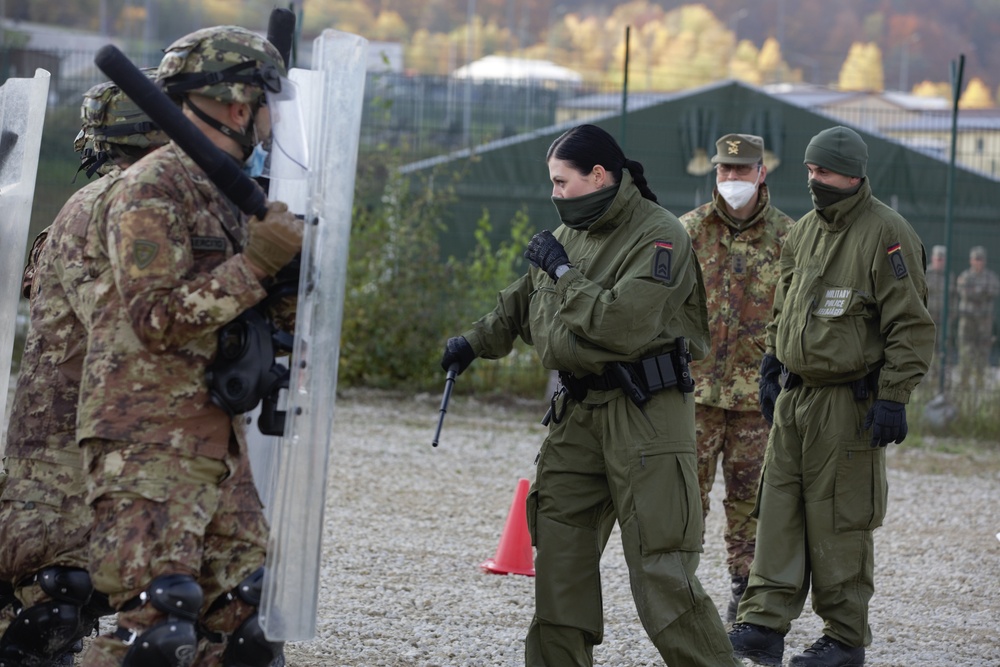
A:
(933, 89)
(976, 96)
(862, 70)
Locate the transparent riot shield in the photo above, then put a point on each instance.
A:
(333, 118)
(289, 183)
(22, 111)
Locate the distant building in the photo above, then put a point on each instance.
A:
(503, 69)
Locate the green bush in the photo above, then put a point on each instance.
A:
(404, 300)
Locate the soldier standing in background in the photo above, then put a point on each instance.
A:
(937, 283)
(179, 534)
(44, 519)
(737, 237)
(978, 288)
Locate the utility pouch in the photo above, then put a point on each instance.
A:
(659, 372)
(629, 382)
(867, 386)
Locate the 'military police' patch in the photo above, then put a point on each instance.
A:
(208, 243)
(834, 303)
(895, 252)
(663, 253)
(144, 253)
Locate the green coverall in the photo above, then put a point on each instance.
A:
(851, 301)
(635, 286)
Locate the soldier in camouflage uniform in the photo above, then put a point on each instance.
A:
(44, 519)
(978, 289)
(737, 237)
(936, 285)
(849, 341)
(610, 294)
(179, 534)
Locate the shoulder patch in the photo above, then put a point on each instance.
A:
(895, 252)
(144, 252)
(663, 253)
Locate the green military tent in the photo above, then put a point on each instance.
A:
(673, 136)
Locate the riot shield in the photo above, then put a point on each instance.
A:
(288, 183)
(291, 583)
(22, 111)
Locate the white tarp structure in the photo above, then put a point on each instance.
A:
(500, 68)
(22, 112)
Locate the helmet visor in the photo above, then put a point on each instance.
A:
(288, 135)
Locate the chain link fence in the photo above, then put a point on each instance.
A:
(421, 116)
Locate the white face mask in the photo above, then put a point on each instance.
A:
(737, 193)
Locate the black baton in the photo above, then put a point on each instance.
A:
(449, 383)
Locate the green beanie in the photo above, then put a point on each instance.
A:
(839, 149)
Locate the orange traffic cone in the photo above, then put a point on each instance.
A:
(514, 555)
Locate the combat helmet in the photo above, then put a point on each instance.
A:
(225, 63)
(113, 126)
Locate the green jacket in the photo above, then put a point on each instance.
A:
(634, 287)
(852, 298)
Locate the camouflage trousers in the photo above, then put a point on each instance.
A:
(739, 438)
(975, 342)
(44, 520)
(158, 511)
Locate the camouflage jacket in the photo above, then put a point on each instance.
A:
(172, 277)
(740, 266)
(634, 287)
(852, 298)
(977, 293)
(935, 295)
(43, 416)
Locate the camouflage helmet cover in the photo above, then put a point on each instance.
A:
(208, 62)
(108, 116)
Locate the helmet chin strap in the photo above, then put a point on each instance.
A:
(246, 138)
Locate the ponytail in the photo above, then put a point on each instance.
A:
(639, 178)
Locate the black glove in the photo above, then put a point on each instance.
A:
(546, 253)
(457, 351)
(887, 420)
(768, 385)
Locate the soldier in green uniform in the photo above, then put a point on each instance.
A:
(849, 340)
(44, 519)
(978, 288)
(737, 237)
(614, 294)
(179, 535)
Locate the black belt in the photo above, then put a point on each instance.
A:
(649, 374)
(861, 388)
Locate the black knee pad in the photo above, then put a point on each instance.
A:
(174, 642)
(166, 644)
(66, 584)
(39, 634)
(248, 647)
(48, 629)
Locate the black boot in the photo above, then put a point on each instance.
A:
(828, 652)
(763, 646)
(739, 587)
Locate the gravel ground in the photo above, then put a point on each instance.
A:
(408, 525)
